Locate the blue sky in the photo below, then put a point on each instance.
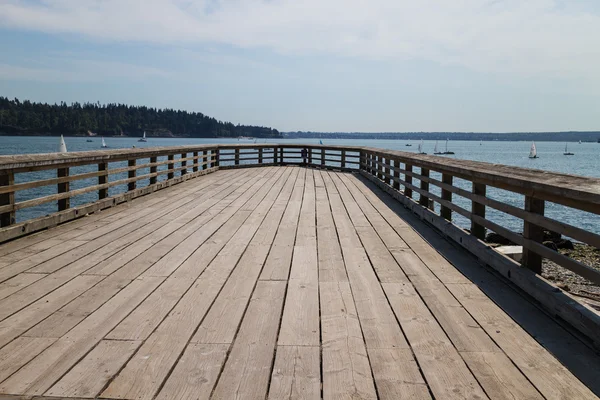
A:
(320, 65)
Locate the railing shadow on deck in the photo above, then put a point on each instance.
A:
(437, 189)
(567, 345)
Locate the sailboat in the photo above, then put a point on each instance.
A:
(143, 138)
(566, 153)
(580, 142)
(435, 149)
(421, 147)
(63, 146)
(104, 143)
(480, 142)
(447, 152)
(533, 151)
(320, 141)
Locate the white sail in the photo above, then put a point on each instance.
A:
(446, 145)
(144, 137)
(63, 145)
(435, 149)
(421, 147)
(104, 143)
(533, 151)
(565, 147)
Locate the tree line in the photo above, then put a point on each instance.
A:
(30, 118)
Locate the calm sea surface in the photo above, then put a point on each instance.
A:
(586, 161)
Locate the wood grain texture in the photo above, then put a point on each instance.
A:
(296, 374)
(90, 375)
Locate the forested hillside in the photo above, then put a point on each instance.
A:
(27, 118)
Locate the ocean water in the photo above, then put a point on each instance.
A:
(585, 162)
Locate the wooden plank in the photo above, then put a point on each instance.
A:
(296, 374)
(248, 368)
(300, 321)
(63, 320)
(445, 371)
(18, 323)
(380, 328)
(346, 369)
(92, 373)
(548, 375)
(58, 256)
(19, 352)
(397, 375)
(35, 291)
(43, 371)
(279, 261)
(71, 230)
(139, 324)
(196, 373)
(17, 283)
(465, 334)
(172, 250)
(145, 372)
(192, 254)
(221, 323)
(331, 263)
(514, 347)
(169, 226)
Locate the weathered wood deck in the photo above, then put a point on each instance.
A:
(273, 282)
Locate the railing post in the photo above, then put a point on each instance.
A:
(281, 156)
(205, 159)
(170, 166)
(322, 157)
(183, 164)
(236, 160)
(478, 209)
(153, 170)
(396, 183)
(445, 212)
(131, 174)
(408, 179)
(371, 164)
(423, 199)
(533, 232)
(343, 159)
(260, 155)
(63, 204)
(7, 218)
(217, 157)
(379, 167)
(386, 171)
(103, 179)
(195, 169)
(310, 156)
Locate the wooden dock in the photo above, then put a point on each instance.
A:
(279, 282)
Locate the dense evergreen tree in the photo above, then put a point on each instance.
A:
(27, 118)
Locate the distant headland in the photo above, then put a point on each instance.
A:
(574, 136)
(25, 118)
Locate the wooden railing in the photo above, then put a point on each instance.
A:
(49, 189)
(411, 175)
(100, 179)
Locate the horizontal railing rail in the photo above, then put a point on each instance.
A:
(411, 175)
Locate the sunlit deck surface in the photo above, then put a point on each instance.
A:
(273, 282)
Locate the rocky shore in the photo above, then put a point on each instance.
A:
(585, 290)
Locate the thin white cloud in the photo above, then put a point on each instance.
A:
(535, 37)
